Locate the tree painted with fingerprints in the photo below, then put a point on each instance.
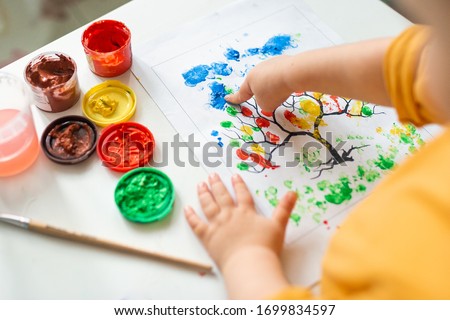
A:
(256, 135)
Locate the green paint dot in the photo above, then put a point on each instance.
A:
(361, 188)
(384, 163)
(366, 111)
(296, 218)
(406, 139)
(372, 175)
(272, 191)
(361, 172)
(235, 143)
(247, 138)
(322, 185)
(317, 217)
(339, 192)
(232, 111)
(411, 128)
(242, 166)
(273, 202)
(256, 129)
(288, 184)
(226, 124)
(321, 205)
(308, 190)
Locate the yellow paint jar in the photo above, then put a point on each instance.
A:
(109, 102)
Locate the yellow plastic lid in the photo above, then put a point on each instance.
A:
(109, 102)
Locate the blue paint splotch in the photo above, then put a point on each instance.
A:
(196, 75)
(232, 54)
(221, 69)
(214, 133)
(220, 142)
(200, 73)
(274, 46)
(217, 95)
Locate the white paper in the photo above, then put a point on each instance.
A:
(366, 140)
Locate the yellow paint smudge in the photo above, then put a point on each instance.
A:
(247, 130)
(310, 107)
(317, 95)
(356, 107)
(257, 148)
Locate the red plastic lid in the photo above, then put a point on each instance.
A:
(125, 146)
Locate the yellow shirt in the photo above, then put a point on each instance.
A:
(396, 243)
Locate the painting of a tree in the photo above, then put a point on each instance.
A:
(257, 134)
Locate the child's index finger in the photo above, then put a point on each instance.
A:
(242, 95)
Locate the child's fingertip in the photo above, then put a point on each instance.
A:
(292, 196)
(188, 210)
(236, 178)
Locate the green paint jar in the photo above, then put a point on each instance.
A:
(144, 195)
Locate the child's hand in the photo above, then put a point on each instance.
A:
(245, 245)
(267, 82)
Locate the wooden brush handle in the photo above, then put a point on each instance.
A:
(103, 243)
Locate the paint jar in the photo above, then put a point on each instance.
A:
(125, 146)
(52, 77)
(109, 102)
(69, 140)
(107, 44)
(19, 145)
(145, 195)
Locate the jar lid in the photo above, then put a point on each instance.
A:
(109, 102)
(144, 195)
(69, 140)
(125, 146)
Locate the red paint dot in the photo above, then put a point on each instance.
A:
(262, 123)
(242, 154)
(246, 112)
(202, 273)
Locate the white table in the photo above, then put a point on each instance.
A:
(80, 197)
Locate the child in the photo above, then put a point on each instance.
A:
(394, 245)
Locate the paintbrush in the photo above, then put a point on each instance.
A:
(39, 227)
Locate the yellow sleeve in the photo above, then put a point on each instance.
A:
(293, 293)
(404, 76)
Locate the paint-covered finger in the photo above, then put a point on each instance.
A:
(219, 191)
(243, 94)
(284, 208)
(197, 225)
(243, 195)
(209, 205)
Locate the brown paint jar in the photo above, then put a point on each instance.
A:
(52, 77)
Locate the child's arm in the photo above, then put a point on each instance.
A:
(352, 70)
(245, 245)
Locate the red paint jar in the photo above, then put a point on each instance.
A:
(125, 146)
(107, 44)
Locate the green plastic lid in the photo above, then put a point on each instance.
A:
(144, 195)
